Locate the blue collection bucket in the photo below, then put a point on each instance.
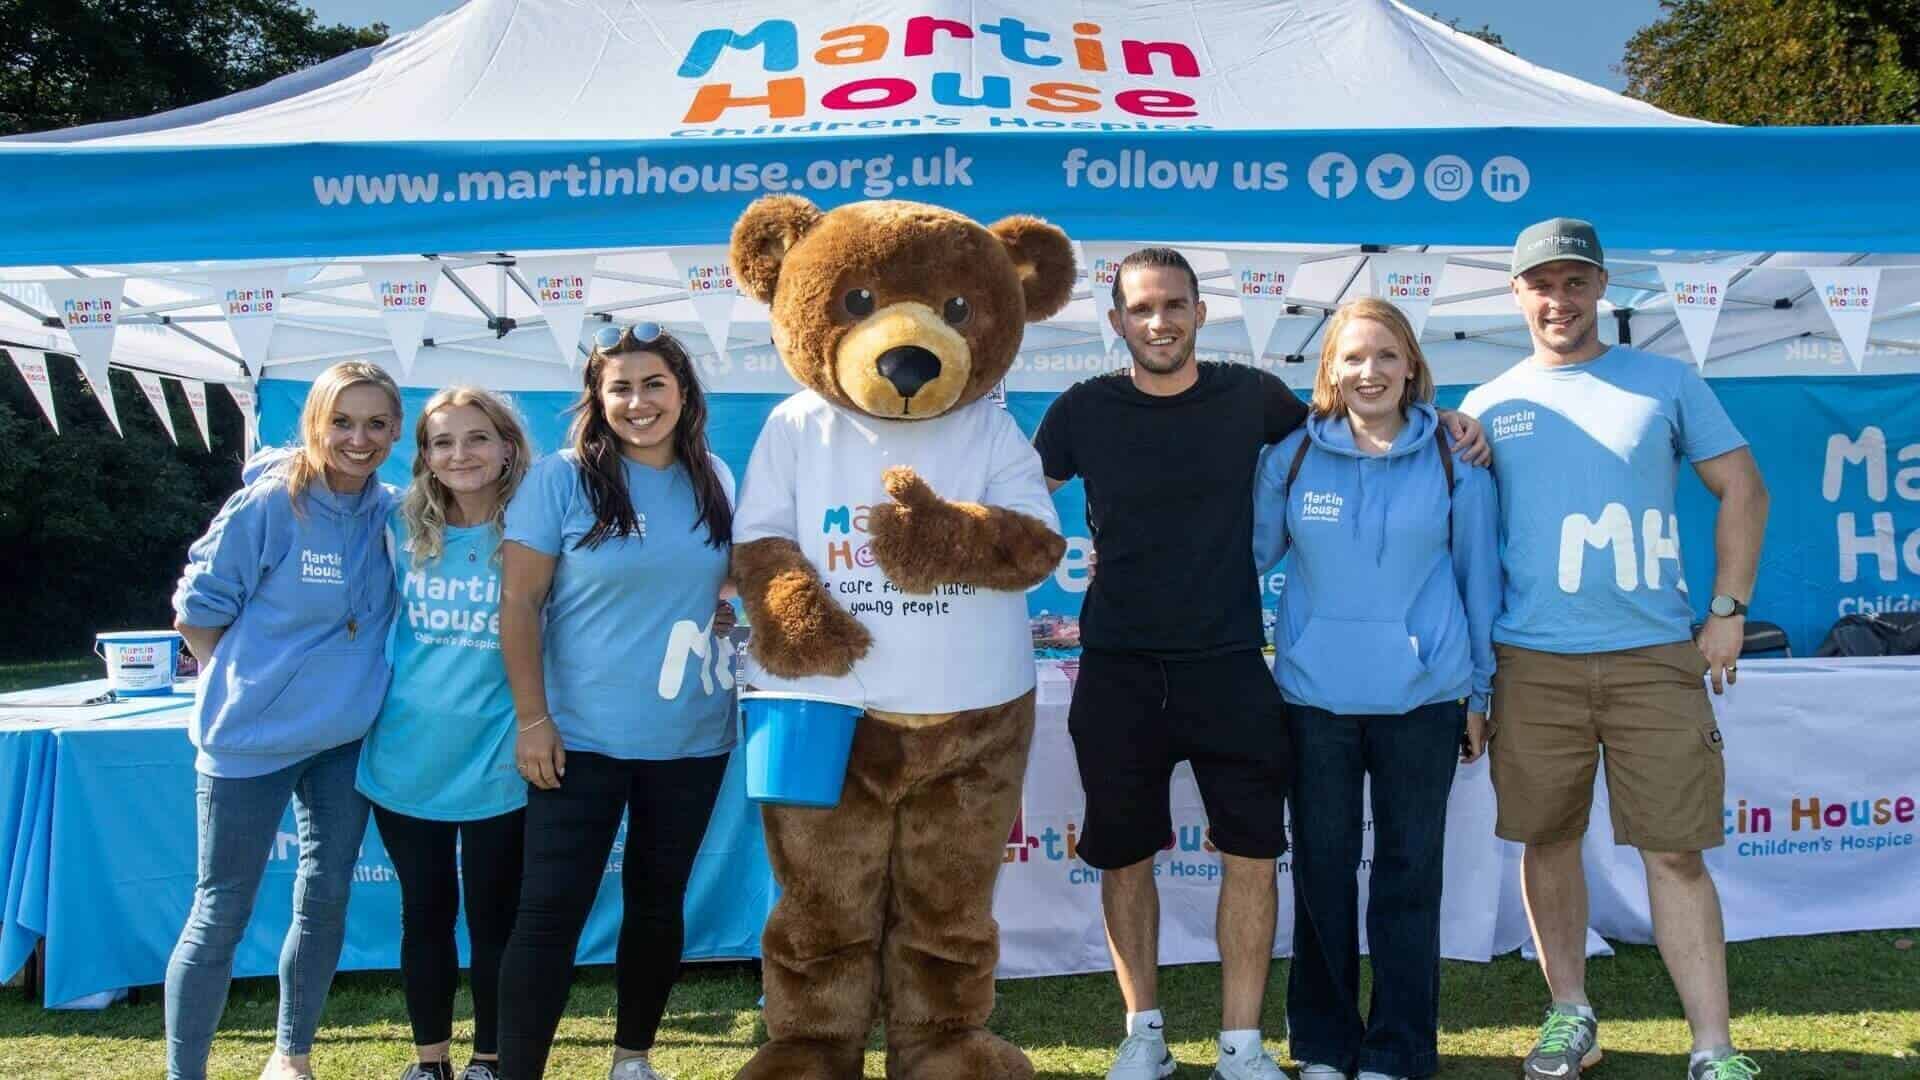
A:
(796, 746)
(140, 663)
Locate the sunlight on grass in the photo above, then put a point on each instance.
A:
(1842, 1006)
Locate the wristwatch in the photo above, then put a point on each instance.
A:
(1725, 606)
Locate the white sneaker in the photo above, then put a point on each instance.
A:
(1259, 1066)
(1371, 1075)
(634, 1069)
(1142, 1057)
(480, 1070)
(1313, 1070)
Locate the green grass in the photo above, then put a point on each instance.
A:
(33, 674)
(1841, 1007)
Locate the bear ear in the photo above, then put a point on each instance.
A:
(1044, 257)
(763, 236)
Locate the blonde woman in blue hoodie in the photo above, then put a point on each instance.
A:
(286, 602)
(1385, 658)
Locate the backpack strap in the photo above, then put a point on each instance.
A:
(1446, 463)
(1293, 471)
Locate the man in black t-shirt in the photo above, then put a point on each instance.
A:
(1171, 668)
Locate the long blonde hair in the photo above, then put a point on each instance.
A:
(1326, 386)
(425, 507)
(309, 462)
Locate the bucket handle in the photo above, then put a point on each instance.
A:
(740, 708)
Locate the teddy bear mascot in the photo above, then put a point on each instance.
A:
(891, 520)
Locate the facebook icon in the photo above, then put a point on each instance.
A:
(1332, 175)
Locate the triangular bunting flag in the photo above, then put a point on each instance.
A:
(197, 403)
(560, 285)
(1410, 282)
(1262, 279)
(157, 397)
(243, 396)
(708, 279)
(1848, 293)
(251, 301)
(33, 368)
(90, 309)
(1103, 262)
(1699, 292)
(404, 291)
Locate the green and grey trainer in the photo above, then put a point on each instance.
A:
(1568, 1043)
(1731, 1067)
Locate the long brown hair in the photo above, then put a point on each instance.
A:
(604, 475)
(1326, 388)
(425, 507)
(309, 462)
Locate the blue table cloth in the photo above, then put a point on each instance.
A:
(28, 721)
(97, 856)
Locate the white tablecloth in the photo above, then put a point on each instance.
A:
(1839, 732)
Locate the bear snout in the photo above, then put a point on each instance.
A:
(902, 362)
(908, 368)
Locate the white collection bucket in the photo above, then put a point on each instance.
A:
(140, 663)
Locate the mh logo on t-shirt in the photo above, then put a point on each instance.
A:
(1659, 540)
(1321, 506)
(323, 567)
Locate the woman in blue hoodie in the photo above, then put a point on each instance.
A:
(1385, 658)
(286, 602)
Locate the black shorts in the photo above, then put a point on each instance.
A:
(1135, 717)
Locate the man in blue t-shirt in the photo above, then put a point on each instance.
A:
(1595, 646)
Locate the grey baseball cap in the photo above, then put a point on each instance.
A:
(1555, 239)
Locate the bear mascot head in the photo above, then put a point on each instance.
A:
(899, 310)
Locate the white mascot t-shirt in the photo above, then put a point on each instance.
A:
(814, 477)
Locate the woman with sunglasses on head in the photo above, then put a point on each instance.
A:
(285, 600)
(438, 764)
(616, 553)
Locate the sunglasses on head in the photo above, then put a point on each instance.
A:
(615, 338)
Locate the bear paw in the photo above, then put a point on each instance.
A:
(807, 633)
(914, 536)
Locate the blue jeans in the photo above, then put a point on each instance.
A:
(1412, 760)
(238, 822)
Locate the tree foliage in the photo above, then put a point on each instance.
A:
(68, 62)
(1485, 33)
(96, 526)
(1781, 61)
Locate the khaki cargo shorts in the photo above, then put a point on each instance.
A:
(1648, 707)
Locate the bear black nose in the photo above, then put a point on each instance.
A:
(908, 368)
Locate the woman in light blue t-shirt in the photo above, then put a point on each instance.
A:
(438, 764)
(616, 554)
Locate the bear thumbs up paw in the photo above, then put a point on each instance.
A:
(905, 487)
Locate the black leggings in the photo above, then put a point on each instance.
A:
(570, 833)
(430, 885)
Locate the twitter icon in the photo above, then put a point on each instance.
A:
(1390, 176)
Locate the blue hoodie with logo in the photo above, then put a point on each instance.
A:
(306, 597)
(1381, 613)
